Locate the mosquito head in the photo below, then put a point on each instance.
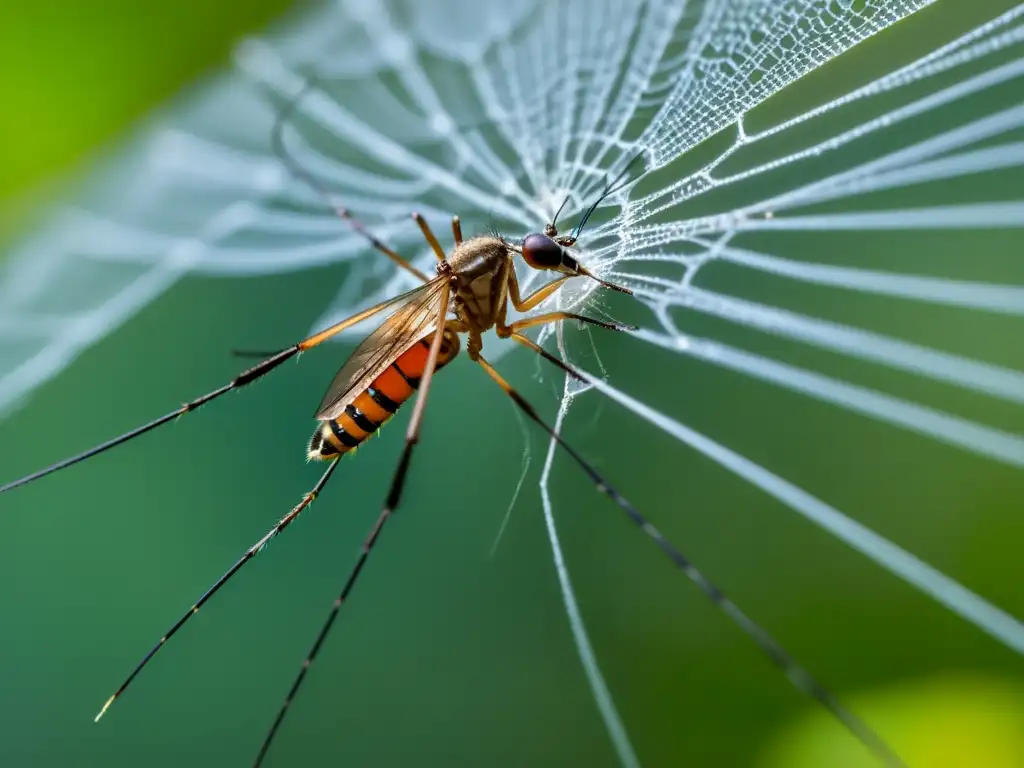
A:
(543, 252)
(549, 250)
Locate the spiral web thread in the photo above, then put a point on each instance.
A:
(497, 111)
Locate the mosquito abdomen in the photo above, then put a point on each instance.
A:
(380, 401)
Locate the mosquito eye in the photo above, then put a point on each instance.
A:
(541, 252)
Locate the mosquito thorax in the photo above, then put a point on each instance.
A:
(478, 256)
(480, 266)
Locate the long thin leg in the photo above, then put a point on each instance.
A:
(457, 230)
(412, 436)
(250, 553)
(429, 234)
(296, 169)
(343, 213)
(535, 298)
(246, 377)
(799, 676)
(526, 341)
(554, 317)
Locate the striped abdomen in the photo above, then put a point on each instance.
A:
(379, 402)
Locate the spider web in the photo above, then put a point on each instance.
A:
(498, 111)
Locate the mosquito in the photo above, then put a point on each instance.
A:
(468, 296)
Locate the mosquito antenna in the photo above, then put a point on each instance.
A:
(610, 189)
(250, 553)
(554, 219)
(412, 437)
(296, 169)
(771, 648)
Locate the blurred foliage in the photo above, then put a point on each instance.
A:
(73, 74)
(945, 721)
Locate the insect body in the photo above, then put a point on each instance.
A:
(371, 408)
(479, 279)
(470, 295)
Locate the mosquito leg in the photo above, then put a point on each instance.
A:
(412, 436)
(799, 676)
(457, 230)
(535, 298)
(505, 330)
(526, 341)
(297, 170)
(429, 234)
(554, 317)
(250, 553)
(344, 213)
(245, 377)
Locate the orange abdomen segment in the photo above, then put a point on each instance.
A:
(370, 409)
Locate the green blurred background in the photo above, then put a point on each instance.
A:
(447, 656)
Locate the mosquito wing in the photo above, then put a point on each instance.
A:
(414, 320)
